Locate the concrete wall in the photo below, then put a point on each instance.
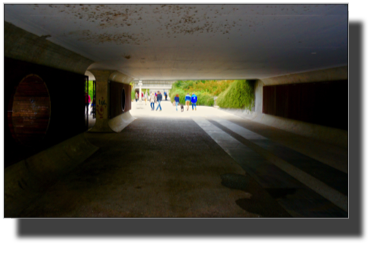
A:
(66, 91)
(339, 73)
(22, 45)
(321, 133)
(29, 178)
(31, 169)
(105, 120)
(258, 96)
(323, 103)
(63, 72)
(324, 133)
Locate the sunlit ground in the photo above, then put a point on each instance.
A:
(142, 109)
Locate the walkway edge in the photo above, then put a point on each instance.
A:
(114, 125)
(26, 180)
(323, 133)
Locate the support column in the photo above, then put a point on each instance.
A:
(104, 124)
(102, 101)
(139, 104)
(140, 90)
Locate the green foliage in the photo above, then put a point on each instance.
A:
(91, 89)
(205, 99)
(240, 94)
(204, 89)
(133, 92)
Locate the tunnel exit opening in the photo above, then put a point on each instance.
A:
(90, 100)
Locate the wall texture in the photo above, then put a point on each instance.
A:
(66, 90)
(22, 45)
(259, 96)
(332, 74)
(116, 91)
(316, 97)
(322, 103)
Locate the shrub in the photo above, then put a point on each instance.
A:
(91, 89)
(239, 94)
(205, 99)
(204, 89)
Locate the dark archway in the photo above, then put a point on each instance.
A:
(123, 99)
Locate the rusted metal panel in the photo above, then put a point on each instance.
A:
(29, 111)
(324, 103)
(269, 97)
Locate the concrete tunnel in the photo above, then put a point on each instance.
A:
(295, 56)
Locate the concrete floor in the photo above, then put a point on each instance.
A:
(204, 163)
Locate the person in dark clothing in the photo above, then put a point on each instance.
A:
(176, 99)
(166, 95)
(159, 99)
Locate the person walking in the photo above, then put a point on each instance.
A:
(187, 101)
(194, 99)
(159, 99)
(87, 99)
(152, 100)
(146, 96)
(136, 96)
(176, 99)
(166, 95)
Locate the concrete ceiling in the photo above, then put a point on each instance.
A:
(170, 42)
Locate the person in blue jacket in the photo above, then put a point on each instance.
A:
(176, 99)
(159, 99)
(194, 102)
(187, 101)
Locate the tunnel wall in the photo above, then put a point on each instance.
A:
(22, 45)
(66, 90)
(322, 103)
(336, 133)
(30, 178)
(116, 94)
(317, 97)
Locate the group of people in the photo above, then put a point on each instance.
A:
(148, 97)
(137, 96)
(193, 99)
(156, 97)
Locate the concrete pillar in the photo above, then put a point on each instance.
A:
(140, 85)
(140, 104)
(102, 100)
(103, 122)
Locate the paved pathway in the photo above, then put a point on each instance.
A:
(203, 163)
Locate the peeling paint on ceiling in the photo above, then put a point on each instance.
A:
(194, 41)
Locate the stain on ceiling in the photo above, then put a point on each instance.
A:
(170, 42)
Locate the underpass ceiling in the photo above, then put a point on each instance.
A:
(170, 42)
